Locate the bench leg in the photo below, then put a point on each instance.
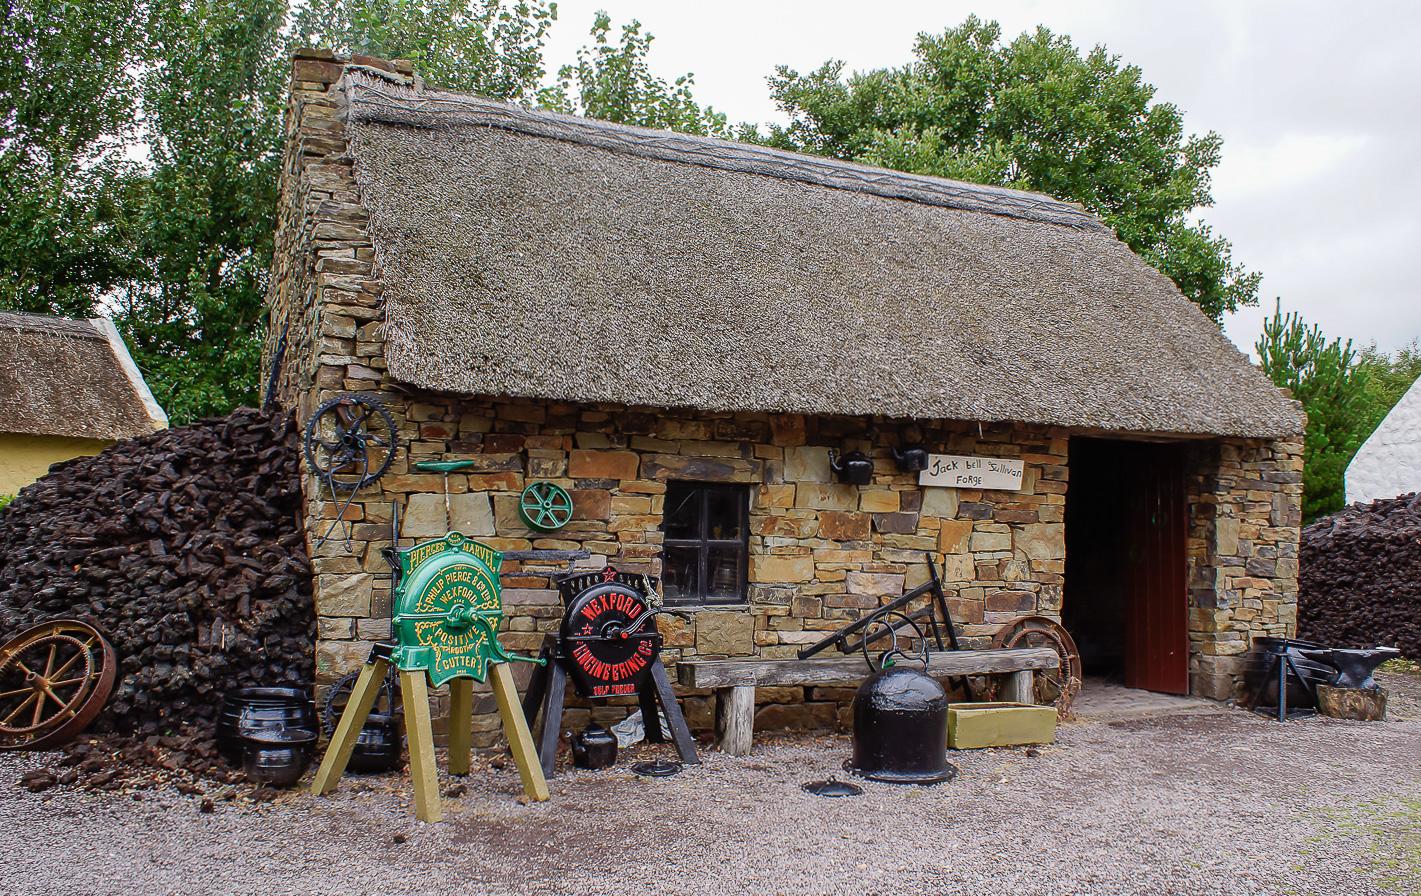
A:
(1020, 687)
(735, 719)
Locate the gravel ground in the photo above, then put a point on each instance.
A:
(1201, 803)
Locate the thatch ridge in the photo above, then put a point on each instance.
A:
(65, 377)
(522, 263)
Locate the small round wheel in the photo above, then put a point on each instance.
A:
(545, 507)
(350, 441)
(1060, 685)
(54, 680)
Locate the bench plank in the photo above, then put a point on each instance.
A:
(852, 669)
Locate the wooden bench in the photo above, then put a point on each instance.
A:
(734, 681)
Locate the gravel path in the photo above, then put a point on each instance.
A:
(1204, 803)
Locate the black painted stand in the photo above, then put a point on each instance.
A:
(547, 691)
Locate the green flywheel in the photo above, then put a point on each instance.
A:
(545, 507)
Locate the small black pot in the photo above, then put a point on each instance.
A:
(594, 747)
(246, 711)
(277, 758)
(378, 747)
(854, 469)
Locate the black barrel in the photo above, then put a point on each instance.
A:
(1257, 677)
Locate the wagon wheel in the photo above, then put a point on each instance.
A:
(54, 680)
(545, 507)
(386, 702)
(350, 441)
(1056, 686)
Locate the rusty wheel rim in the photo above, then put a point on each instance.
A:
(1042, 631)
(54, 680)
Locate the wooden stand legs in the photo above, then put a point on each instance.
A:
(414, 693)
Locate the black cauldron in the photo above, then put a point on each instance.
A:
(378, 746)
(1260, 675)
(900, 727)
(855, 468)
(594, 747)
(277, 757)
(246, 711)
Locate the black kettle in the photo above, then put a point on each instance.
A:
(855, 469)
(912, 458)
(594, 747)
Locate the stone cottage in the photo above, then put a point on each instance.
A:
(68, 388)
(682, 332)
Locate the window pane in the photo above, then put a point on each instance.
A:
(680, 573)
(725, 510)
(723, 569)
(682, 518)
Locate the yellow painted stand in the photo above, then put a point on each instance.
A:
(415, 694)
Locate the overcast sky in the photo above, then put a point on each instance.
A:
(1319, 105)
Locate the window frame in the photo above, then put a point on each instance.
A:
(704, 543)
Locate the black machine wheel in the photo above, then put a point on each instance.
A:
(350, 441)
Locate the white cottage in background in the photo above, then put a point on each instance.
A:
(1389, 462)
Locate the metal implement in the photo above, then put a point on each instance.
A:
(54, 680)
(447, 609)
(1355, 667)
(1057, 686)
(855, 468)
(900, 724)
(545, 506)
(608, 644)
(350, 442)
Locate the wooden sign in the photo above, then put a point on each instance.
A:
(958, 471)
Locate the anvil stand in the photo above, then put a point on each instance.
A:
(1282, 663)
(547, 691)
(415, 694)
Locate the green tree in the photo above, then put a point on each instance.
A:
(1037, 115)
(612, 82)
(67, 106)
(1388, 378)
(1332, 387)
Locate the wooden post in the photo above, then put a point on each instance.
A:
(515, 728)
(554, 695)
(357, 709)
(421, 737)
(735, 719)
(461, 720)
(1020, 687)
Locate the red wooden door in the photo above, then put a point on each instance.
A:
(1156, 596)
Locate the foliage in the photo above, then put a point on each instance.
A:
(1035, 115)
(1332, 387)
(613, 83)
(5, 501)
(490, 47)
(67, 102)
(1388, 378)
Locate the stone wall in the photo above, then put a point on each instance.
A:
(1245, 499)
(821, 552)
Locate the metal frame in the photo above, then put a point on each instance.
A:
(704, 543)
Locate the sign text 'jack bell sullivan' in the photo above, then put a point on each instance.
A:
(957, 471)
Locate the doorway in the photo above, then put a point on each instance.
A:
(1126, 600)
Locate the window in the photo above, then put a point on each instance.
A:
(705, 553)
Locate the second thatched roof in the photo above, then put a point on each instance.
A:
(534, 254)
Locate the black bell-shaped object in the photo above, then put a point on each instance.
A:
(900, 726)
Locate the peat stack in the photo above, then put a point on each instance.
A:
(1359, 582)
(184, 547)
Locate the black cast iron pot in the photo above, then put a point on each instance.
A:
(854, 469)
(594, 747)
(277, 757)
(246, 711)
(912, 459)
(900, 727)
(378, 746)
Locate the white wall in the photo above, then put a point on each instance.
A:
(1389, 463)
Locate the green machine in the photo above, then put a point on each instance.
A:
(447, 609)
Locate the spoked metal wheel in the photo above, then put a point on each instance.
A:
(1057, 686)
(545, 507)
(54, 680)
(350, 441)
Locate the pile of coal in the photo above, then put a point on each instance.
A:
(1359, 582)
(184, 547)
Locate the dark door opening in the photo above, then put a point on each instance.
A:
(1126, 600)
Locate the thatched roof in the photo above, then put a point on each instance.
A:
(65, 377)
(534, 254)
